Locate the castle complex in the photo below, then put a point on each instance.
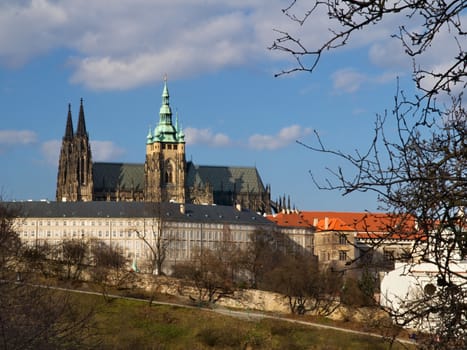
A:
(165, 176)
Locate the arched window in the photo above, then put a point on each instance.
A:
(169, 176)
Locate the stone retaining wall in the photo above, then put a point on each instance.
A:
(247, 299)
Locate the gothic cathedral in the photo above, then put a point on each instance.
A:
(165, 176)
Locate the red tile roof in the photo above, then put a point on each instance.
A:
(291, 219)
(363, 222)
(367, 225)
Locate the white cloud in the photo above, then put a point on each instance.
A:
(105, 151)
(101, 151)
(17, 137)
(195, 136)
(348, 80)
(50, 151)
(285, 137)
(127, 43)
(29, 28)
(389, 54)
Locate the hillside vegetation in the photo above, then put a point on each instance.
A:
(125, 324)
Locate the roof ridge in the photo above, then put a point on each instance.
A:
(120, 163)
(228, 166)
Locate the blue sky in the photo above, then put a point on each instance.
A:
(220, 72)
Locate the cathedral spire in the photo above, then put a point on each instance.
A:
(69, 126)
(81, 130)
(165, 113)
(165, 131)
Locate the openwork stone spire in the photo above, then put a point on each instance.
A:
(81, 130)
(69, 126)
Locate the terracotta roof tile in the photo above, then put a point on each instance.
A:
(292, 219)
(364, 222)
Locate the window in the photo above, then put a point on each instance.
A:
(429, 289)
(342, 255)
(168, 173)
(388, 255)
(342, 239)
(323, 256)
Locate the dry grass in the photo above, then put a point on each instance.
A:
(127, 324)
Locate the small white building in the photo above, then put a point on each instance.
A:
(413, 292)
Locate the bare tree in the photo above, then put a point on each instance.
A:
(157, 238)
(10, 243)
(306, 287)
(263, 253)
(108, 268)
(73, 255)
(419, 172)
(420, 25)
(39, 318)
(209, 273)
(37, 258)
(33, 317)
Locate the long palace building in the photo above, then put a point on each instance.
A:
(165, 176)
(184, 227)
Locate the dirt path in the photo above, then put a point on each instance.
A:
(246, 315)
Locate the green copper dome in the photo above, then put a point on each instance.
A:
(165, 131)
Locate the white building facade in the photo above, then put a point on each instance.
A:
(183, 227)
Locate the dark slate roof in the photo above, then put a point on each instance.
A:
(111, 176)
(225, 178)
(170, 211)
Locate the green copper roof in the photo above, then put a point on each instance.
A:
(165, 131)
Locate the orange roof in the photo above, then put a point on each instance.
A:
(362, 222)
(292, 219)
(395, 236)
(332, 224)
(367, 225)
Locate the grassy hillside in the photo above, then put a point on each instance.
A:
(128, 324)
